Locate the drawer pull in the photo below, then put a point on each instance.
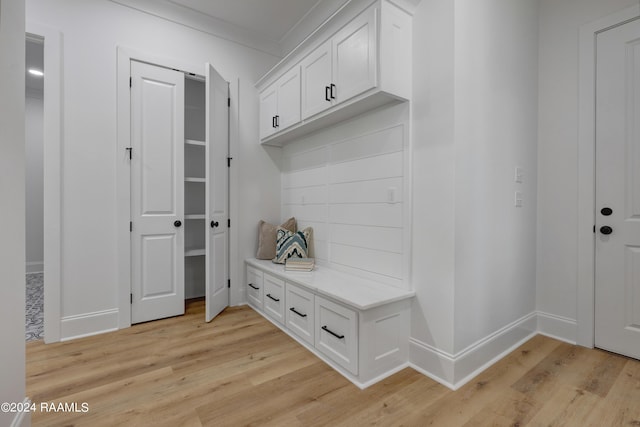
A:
(297, 312)
(273, 298)
(324, 328)
(254, 287)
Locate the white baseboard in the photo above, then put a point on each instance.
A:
(455, 370)
(432, 362)
(22, 419)
(34, 267)
(84, 325)
(558, 327)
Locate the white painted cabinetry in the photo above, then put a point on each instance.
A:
(299, 313)
(359, 327)
(316, 79)
(274, 297)
(354, 54)
(337, 336)
(344, 66)
(280, 104)
(356, 67)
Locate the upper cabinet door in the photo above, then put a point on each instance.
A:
(268, 111)
(354, 57)
(288, 99)
(316, 81)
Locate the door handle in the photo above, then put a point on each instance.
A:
(177, 223)
(333, 87)
(277, 121)
(214, 224)
(606, 211)
(606, 230)
(273, 122)
(326, 93)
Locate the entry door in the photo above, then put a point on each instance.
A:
(157, 199)
(217, 194)
(617, 311)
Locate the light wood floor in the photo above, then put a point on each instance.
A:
(241, 370)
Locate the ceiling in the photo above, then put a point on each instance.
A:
(272, 26)
(272, 19)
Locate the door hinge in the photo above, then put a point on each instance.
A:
(130, 150)
(131, 298)
(130, 226)
(130, 82)
(229, 161)
(229, 283)
(228, 102)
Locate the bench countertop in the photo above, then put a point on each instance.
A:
(358, 292)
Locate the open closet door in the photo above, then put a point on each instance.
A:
(217, 193)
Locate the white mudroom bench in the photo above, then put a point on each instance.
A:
(358, 326)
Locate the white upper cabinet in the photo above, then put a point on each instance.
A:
(356, 67)
(354, 57)
(280, 104)
(316, 78)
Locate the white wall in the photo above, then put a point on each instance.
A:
(92, 30)
(557, 251)
(34, 181)
(337, 181)
(12, 194)
(496, 123)
(475, 117)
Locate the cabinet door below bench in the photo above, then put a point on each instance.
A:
(274, 297)
(300, 312)
(336, 334)
(254, 287)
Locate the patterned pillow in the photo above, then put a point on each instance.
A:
(291, 244)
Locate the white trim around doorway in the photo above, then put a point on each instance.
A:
(53, 181)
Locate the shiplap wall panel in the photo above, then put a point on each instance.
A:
(383, 263)
(377, 214)
(381, 166)
(371, 191)
(379, 238)
(350, 183)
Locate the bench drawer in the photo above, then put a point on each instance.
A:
(300, 312)
(254, 287)
(336, 333)
(274, 297)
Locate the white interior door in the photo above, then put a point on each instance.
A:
(217, 194)
(617, 307)
(157, 192)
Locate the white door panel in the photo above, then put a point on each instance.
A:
(157, 208)
(217, 194)
(354, 57)
(316, 81)
(617, 307)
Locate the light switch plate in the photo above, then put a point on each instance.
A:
(519, 175)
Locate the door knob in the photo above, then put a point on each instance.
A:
(214, 224)
(606, 211)
(177, 223)
(606, 229)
